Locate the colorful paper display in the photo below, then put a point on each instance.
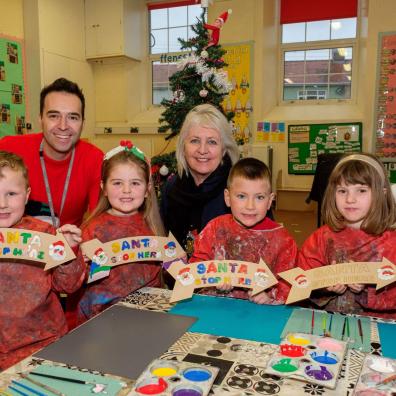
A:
(21, 244)
(104, 256)
(172, 378)
(189, 277)
(303, 282)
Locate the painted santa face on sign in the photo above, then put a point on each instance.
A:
(170, 249)
(185, 277)
(100, 257)
(57, 251)
(386, 272)
(301, 281)
(261, 278)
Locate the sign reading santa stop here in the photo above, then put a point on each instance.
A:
(34, 246)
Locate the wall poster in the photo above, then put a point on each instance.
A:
(12, 87)
(385, 103)
(239, 100)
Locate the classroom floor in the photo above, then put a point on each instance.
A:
(299, 224)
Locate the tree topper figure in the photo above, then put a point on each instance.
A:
(215, 29)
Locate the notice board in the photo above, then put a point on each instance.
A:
(385, 105)
(12, 87)
(307, 141)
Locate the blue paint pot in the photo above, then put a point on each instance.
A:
(325, 357)
(197, 374)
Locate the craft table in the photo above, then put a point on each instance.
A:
(241, 352)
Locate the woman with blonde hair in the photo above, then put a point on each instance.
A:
(205, 152)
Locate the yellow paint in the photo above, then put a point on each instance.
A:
(298, 340)
(164, 371)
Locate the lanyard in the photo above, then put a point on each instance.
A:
(55, 221)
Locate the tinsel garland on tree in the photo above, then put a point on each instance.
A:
(200, 79)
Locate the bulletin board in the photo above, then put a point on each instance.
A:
(239, 69)
(12, 87)
(306, 142)
(385, 101)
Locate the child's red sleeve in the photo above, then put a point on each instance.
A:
(311, 254)
(286, 260)
(203, 245)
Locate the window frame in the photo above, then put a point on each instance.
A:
(316, 45)
(157, 57)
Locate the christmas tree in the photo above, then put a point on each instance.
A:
(200, 79)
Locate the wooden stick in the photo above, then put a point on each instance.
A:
(41, 385)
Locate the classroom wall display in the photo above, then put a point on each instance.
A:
(20, 244)
(302, 282)
(239, 100)
(385, 100)
(189, 277)
(307, 141)
(390, 168)
(270, 132)
(12, 87)
(104, 256)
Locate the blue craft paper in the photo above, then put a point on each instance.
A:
(235, 318)
(387, 333)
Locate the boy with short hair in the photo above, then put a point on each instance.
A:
(248, 234)
(31, 316)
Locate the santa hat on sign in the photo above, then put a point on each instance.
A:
(223, 17)
(98, 251)
(58, 244)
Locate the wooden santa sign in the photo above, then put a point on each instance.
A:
(34, 246)
(189, 277)
(104, 256)
(303, 282)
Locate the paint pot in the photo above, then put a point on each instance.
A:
(298, 340)
(330, 344)
(165, 370)
(320, 373)
(370, 392)
(285, 365)
(381, 365)
(292, 350)
(324, 357)
(151, 386)
(184, 390)
(197, 374)
(371, 379)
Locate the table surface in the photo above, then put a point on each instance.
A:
(241, 361)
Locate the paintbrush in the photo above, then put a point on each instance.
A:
(97, 387)
(387, 380)
(343, 329)
(313, 322)
(331, 322)
(324, 324)
(41, 385)
(360, 330)
(347, 328)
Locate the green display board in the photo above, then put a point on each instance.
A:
(307, 141)
(391, 170)
(12, 87)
